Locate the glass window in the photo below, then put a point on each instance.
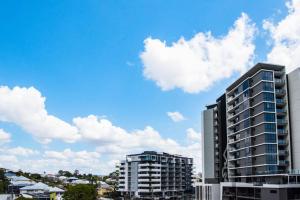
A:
(271, 159)
(270, 128)
(269, 107)
(246, 123)
(270, 138)
(268, 96)
(269, 117)
(267, 75)
(271, 168)
(271, 148)
(245, 85)
(268, 86)
(246, 114)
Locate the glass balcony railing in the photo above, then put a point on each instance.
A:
(282, 142)
(281, 121)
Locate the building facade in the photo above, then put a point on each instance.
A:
(152, 175)
(262, 154)
(258, 132)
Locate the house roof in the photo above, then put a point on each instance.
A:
(19, 178)
(22, 183)
(55, 189)
(37, 186)
(42, 186)
(5, 196)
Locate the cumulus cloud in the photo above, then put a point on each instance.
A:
(25, 107)
(52, 161)
(176, 116)
(113, 138)
(195, 65)
(4, 137)
(21, 151)
(285, 36)
(193, 136)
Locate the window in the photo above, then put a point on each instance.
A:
(246, 94)
(268, 86)
(270, 128)
(245, 85)
(246, 114)
(271, 148)
(268, 96)
(269, 107)
(270, 138)
(267, 75)
(271, 168)
(270, 117)
(271, 159)
(245, 105)
(246, 123)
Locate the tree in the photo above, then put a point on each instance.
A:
(76, 172)
(3, 182)
(80, 191)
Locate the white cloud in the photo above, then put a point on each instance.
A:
(4, 137)
(52, 161)
(116, 142)
(285, 36)
(195, 65)
(193, 136)
(25, 107)
(21, 151)
(176, 116)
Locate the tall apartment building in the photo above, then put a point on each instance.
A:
(258, 125)
(262, 130)
(214, 143)
(152, 175)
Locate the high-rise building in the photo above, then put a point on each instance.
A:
(155, 175)
(215, 140)
(258, 125)
(262, 154)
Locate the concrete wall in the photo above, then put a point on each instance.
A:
(294, 107)
(134, 176)
(208, 144)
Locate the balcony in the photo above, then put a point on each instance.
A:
(283, 152)
(148, 175)
(280, 92)
(282, 132)
(280, 102)
(282, 142)
(278, 73)
(279, 82)
(283, 162)
(281, 122)
(281, 112)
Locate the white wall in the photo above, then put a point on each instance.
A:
(294, 107)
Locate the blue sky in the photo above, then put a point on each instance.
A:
(85, 58)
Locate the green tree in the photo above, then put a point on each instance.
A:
(81, 191)
(3, 182)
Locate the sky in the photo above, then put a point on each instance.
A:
(83, 83)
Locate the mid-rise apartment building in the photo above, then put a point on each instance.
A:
(262, 131)
(152, 175)
(214, 135)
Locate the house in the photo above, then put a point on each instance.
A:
(104, 189)
(6, 197)
(14, 186)
(42, 191)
